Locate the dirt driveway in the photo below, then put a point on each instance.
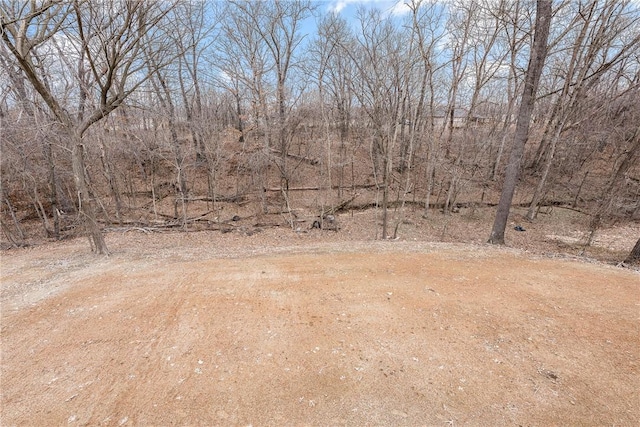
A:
(371, 333)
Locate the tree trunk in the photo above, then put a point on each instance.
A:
(111, 179)
(634, 256)
(536, 61)
(53, 188)
(503, 134)
(385, 201)
(537, 195)
(86, 210)
(609, 192)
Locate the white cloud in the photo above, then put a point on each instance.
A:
(394, 7)
(400, 8)
(337, 6)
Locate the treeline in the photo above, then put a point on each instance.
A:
(106, 103)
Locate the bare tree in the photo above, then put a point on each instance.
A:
(333, 71)
(243, 59)
(625, 162)
(35, 119)
(534, 70)
(592, 55)
(220, 92)
(515, 37)
(277, 27)
(108, 38)
(634, 255)
(482, 28)
(377, 84)
(426, 19)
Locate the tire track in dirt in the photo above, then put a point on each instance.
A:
(374, 334)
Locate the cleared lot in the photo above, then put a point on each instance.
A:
(330, 334)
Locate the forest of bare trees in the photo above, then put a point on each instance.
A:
(140, 113)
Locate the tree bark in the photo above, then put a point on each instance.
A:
(610, 191)
(53, 187)
(634, 256)
(86, 210)
(534, 70)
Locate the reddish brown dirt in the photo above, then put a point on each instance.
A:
(172, 330)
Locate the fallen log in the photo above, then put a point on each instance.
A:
(339, 207)
(308, 160)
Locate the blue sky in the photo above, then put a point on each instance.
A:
(348, 10)
(349, 7)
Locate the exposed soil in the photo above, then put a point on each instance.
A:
(283, 328)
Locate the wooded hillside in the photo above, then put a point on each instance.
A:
(186, 113)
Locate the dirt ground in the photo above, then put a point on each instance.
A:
(211, 329)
